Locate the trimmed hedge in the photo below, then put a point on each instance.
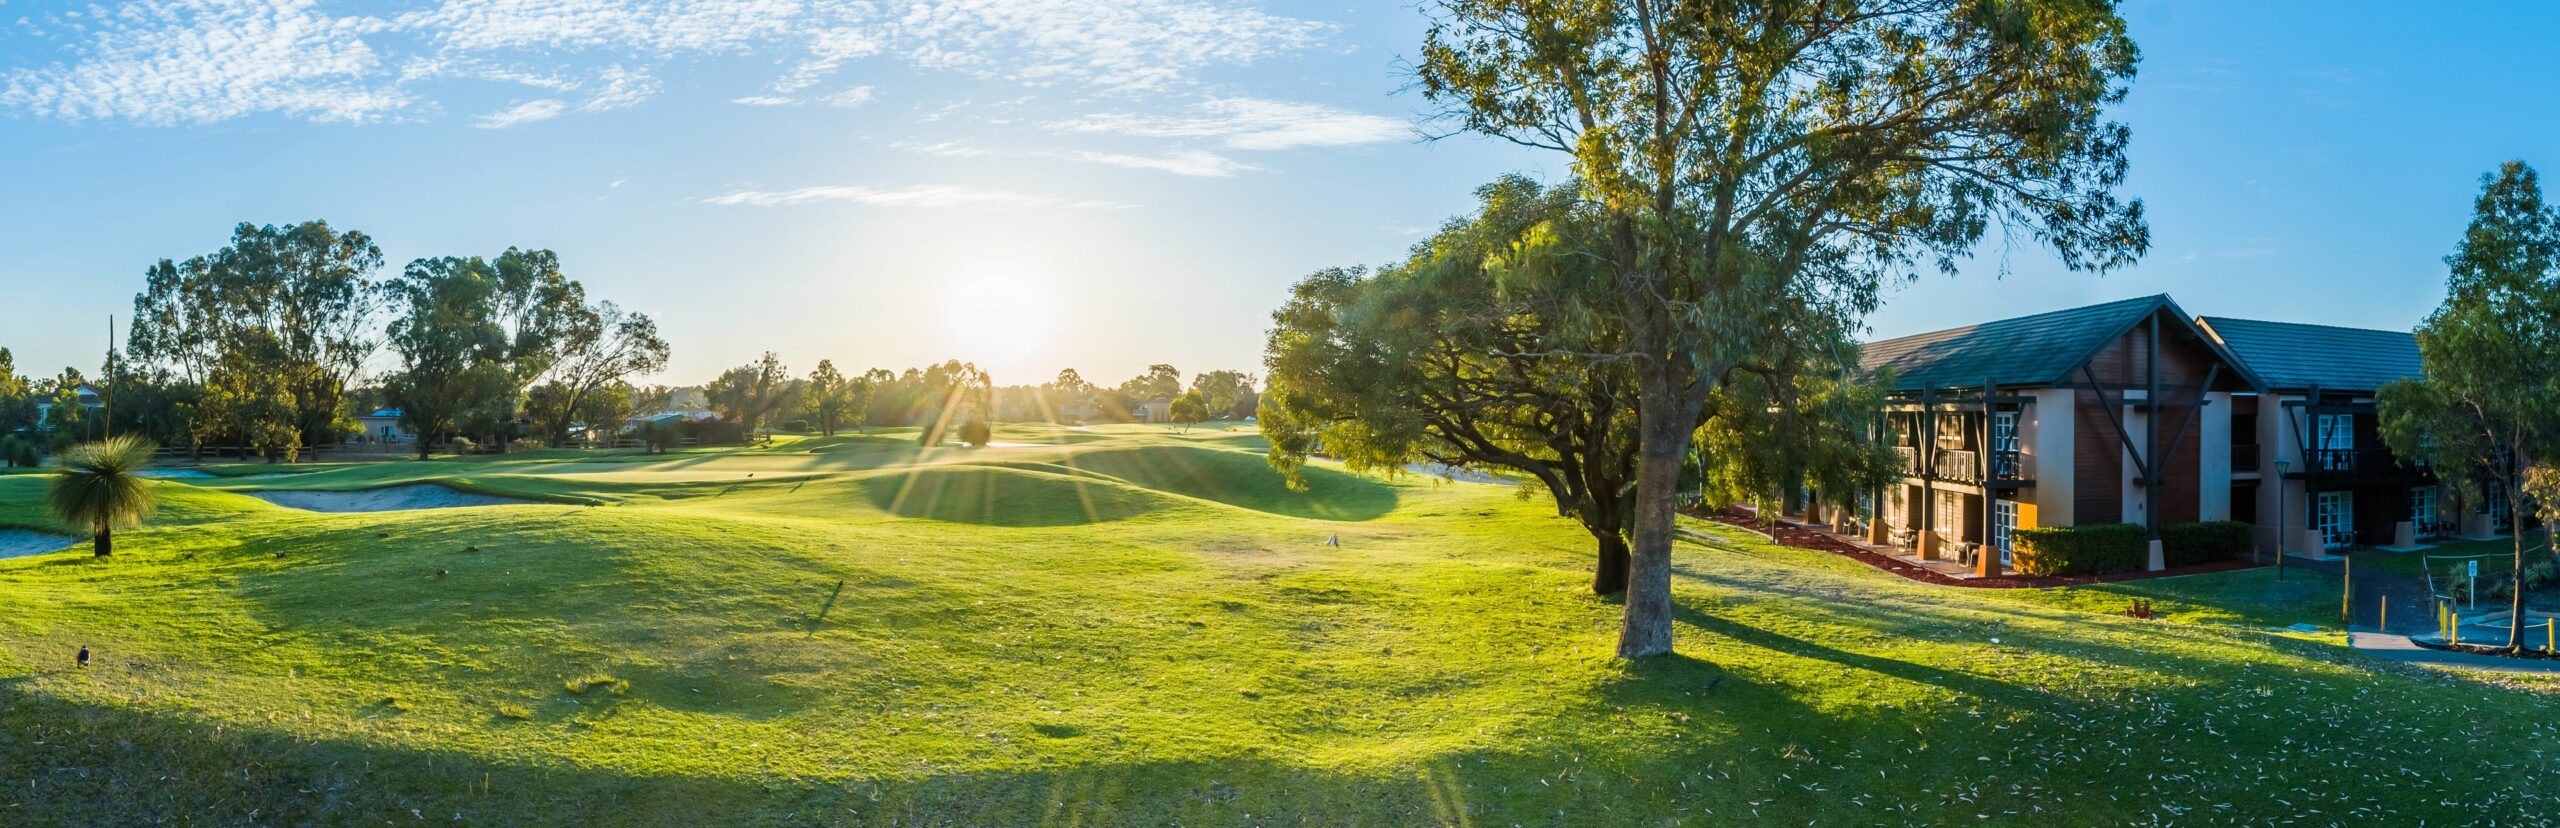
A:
(2213, 541)
(2080, 550)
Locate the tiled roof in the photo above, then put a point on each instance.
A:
(2296, 356)
(2040, 349)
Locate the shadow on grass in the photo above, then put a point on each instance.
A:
(72, 763)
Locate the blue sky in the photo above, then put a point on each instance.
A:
(1098, 184)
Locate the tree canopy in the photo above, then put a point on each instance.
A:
(274, 326)
(2485, 409)
(1762, 169)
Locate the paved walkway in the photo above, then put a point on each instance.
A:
(2412, 608)
(2398, 648)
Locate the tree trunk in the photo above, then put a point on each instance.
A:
(2515, 614)
(1662, 441)
(1610, 576)
(425, 447)
(104, 544)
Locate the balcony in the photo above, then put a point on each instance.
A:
(1958, 466)
(2358, 462)
(2008, 465)
(1910, 460)
(2244, 458)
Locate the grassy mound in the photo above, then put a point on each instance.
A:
(996, 495)
(1238, 478)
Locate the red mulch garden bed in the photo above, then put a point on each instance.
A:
(1789, 534)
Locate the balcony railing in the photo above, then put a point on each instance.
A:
(1910, 458)
(2008, 465)
(2357, 461)
(1958, 465)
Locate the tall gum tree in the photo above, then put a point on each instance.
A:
(1769, 164)
(2485, 409)
(287, 309)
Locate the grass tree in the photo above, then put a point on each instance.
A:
(97, 489)
(2485, 410)
(1763, 166)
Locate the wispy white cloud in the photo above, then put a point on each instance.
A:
(946, 149)
(181, 61)
(1200, 164)
(851, 98)
(1251, 124)
(764, 100)
(523, 113)
(932, 195)
(191, 61)
(1191, 163)
(623, 89)
(1137, 44)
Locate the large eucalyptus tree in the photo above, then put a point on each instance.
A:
(1764, 165)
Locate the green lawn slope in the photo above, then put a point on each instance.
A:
(1126, 626)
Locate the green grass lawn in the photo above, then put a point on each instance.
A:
(1129, 626)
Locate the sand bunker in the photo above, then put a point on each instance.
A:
(386, 499)
(20, 542)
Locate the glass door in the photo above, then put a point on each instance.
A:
(2004, 448)
(2337, 442)
(2422, 510)
(2337, 519)
(2004, 519)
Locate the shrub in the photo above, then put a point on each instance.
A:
(2081, 550)
(716, 432)
(976, 433)
(2189, 544)
(797, 426)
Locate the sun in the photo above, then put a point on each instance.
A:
(999, 319)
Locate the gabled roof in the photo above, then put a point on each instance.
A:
(2038, 349)
(2292, 356)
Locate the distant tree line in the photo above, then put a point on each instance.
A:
(951, 399)
(262, 346)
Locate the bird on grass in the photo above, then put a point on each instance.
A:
(84, 656)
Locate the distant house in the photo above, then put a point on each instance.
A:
(383, 427)
(671, 416)
(1157, 410)
(89, 399)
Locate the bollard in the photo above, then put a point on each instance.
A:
(2385, 626)
(2347, 591)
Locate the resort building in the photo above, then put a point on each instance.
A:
(2310, 450)
(2111, 413)
(2054, 420)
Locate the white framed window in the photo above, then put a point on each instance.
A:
(2336, 518)
(2495, 501)
(2004, 431)
(2422, 509)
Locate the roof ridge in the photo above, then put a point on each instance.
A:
(2156, 297)
(2210, 317)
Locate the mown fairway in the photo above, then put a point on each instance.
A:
(1125, 626)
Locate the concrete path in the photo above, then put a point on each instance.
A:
(2412, 608)
(2398, 648)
